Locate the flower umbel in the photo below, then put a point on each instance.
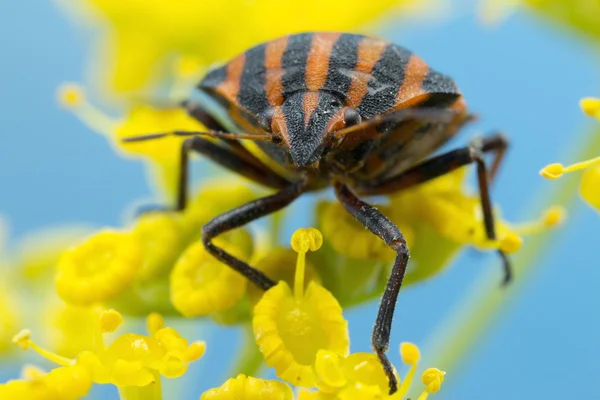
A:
(131, 361)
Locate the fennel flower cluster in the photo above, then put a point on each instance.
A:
(155, 265)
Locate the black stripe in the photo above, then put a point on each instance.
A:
(388, 75)
(213, 78)
(293, 63)
(343, 59)
(252, 94)
(442, 88)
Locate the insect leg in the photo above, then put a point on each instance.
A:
(448, 162)
(498, 144)
(381, 226)
(241, 216)
(244, 164)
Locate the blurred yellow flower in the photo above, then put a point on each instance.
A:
(100, 268)
(581, 16)
(139, 36)
(139, 119)
(590, 180)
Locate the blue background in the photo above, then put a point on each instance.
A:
(523, 77)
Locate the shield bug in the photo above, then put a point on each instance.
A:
(335, 109)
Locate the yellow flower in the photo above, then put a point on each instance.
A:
(64, 383)
(100, 268)
(590, 181)
(279, 265)
(350, 238)
(248, 388)
(202, 285)
(139, 119)
(9, 315)
(360, 376)
(140, 36)
(62, 337)
(131, 360)
(290, 327)
(38, 252)
(439, 211)
(161, 237)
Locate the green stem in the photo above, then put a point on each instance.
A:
(152, 391)
(250, 360)
(469, 322)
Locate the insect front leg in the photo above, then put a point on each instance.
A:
(241, 216)
(381, 226)
(446, 163)
(230, 157)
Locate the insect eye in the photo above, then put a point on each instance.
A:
(352, 117)
(265, 121)
(335, 103)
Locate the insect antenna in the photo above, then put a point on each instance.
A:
(212, 134)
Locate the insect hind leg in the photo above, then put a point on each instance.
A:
(448, 162)
(381, 226)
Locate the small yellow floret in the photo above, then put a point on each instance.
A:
(329, 369)
(248, 388)
(110, 320)
(511, 243)
(305, 239)
(433, 379)
(100, 268)
(202, 285)
(195, 351)
(410, 353)
(161, 237)
(552, 171)
(71, 95)
(154, 322)
(590, 106)
(554, 216)
(23, 339)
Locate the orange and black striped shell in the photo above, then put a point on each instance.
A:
(370, 75)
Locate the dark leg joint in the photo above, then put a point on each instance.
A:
(507, 268)
(389, 371)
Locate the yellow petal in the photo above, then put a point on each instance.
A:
(201, 284)
(590, 186)
(248, 388)
(289, 332)
(98, 269)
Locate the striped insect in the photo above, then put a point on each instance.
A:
(334, 109)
